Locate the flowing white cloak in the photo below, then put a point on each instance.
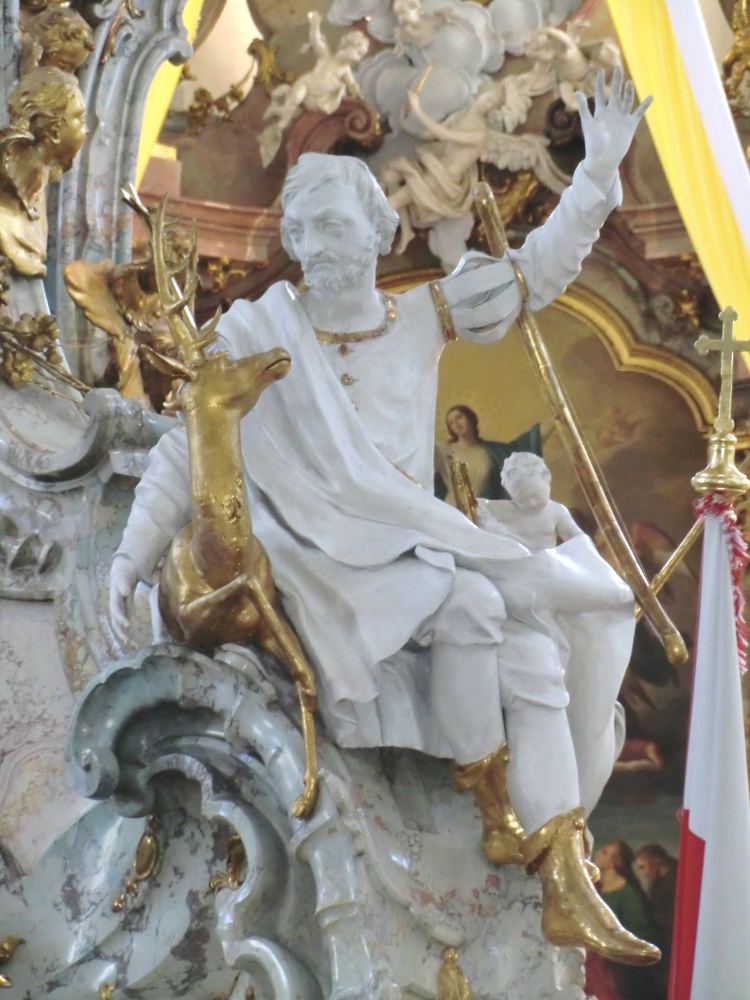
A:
(360, 553)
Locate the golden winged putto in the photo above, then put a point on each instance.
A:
(122, 300)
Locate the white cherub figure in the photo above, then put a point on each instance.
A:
(321, 89)
(529, 515)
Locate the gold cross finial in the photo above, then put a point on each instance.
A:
(728, 347)
(721, 474)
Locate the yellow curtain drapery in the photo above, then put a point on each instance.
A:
(656, 66)
(161, 92)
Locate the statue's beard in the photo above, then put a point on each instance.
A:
(327, 272)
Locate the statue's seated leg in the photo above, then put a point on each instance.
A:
(544, 788)
(465, 696)
(502, 834)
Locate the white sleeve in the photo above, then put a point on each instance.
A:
(552, 255)
(161, 505)
(549, 260)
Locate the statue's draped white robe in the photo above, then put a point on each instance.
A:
(361, 554)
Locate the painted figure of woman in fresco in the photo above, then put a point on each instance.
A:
(483, 459)
(623, 894)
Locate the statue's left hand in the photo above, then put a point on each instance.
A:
(609, 132)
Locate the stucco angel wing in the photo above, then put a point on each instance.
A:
(517, 95)
(525, 152)
(88, 286)
(602, 54)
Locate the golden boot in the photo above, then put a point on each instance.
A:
(502, 834)
(573, 913)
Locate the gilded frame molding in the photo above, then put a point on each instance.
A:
(625, 350)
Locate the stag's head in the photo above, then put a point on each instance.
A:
(220, 382)
(209, 380)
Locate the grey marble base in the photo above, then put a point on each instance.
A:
(356, 903)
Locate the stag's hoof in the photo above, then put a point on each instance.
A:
(304, 806)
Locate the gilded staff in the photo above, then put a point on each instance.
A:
(570, 434)
(463, 491)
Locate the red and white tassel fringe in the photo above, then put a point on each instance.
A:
(718, 506)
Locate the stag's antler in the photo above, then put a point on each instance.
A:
(178, 303)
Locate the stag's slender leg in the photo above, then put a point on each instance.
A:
(296, 661)
(306, 692)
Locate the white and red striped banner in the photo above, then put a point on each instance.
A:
(711, 946)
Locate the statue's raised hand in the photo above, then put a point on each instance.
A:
(610, 130)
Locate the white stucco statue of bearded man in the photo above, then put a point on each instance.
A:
(424, 630)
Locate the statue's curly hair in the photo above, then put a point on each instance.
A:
(57, 25)
(36, 107)
(313, 170)
(40, 99)
(522, 465)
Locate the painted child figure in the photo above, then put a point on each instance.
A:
(529, 516)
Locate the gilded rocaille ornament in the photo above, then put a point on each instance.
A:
(204, 106)
(736, 64)
(30, 346)
(452, 983)
(216, 584)
(143, 867)
(236, 861)
(124, 16)
(8, 947)
(268, 72)
(221, 271)
(47, 127)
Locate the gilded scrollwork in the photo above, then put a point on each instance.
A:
(123, 18)
(452, 982)
(8, 947)
(30, 345)
(143, 867)
(268, 72)
(236, 863)
(205, 106)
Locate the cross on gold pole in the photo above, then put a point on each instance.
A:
(721, 475)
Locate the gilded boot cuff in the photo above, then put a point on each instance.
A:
(535, 845)
(466, 776)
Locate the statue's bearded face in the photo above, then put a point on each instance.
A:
(331, 235)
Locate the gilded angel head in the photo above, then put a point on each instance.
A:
(58, 36)
(47, 129)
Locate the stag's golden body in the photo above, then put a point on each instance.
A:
(216, 584)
